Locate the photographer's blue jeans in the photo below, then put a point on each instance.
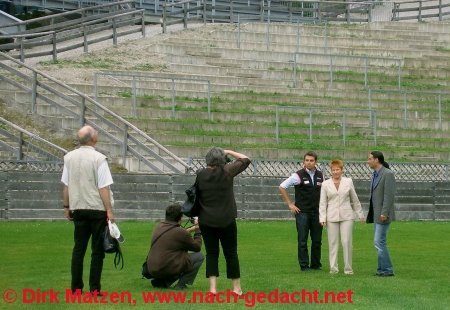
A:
(380, 243)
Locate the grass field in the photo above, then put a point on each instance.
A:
(36, 255)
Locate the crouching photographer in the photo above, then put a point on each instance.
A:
(168, 259)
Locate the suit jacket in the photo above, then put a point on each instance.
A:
(382, 197)
(338, 205)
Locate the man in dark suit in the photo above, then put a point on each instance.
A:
(381, 211)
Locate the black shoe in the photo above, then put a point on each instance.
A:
(305, 269)
(316, 268)
(384, 274)
(180, 287)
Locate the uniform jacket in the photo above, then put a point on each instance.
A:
(338, 205)
(382, 197)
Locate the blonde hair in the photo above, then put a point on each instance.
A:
(337, 162)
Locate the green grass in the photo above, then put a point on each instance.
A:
(36, 255)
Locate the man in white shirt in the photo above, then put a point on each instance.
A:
(307, 183)
(88, 203)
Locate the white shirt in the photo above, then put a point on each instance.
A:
(294, 179)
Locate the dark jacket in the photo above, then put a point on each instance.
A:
(216, 195)
(169, 255)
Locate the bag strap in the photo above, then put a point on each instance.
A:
(118, 258)
(157, 238)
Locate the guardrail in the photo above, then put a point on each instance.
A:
(135, 77)
(338, 116)
(334, 65)
(77, 106)
(297, 11)
(420, 10)
(93, 21)
(29, 146)
(407, 172)
(415, 95)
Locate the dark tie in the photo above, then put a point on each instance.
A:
(374, 178)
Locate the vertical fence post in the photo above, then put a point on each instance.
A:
(370, 106)
(419, 17)
(209, 100)
(213, 10)
(173, 98)
(331, 71)
(440, 110)
(114, 32)
(440, 10)
(347, 12)
(204, 11)
(19, 154)
(164, 18)
(143, 23)
(133, 96)
(295, 71)
(124, 144)
(261, 12)
(343, 128)
(95, 86)
(310, 126)
(185, 15)
(277, 125)
(405, 113)
(365, 72)
(239, 33)
(231, 11)
(54, 45)
(85, 42)
(374, 127)
(82, 111)
(298, 36)
(268, 25)
(22, 52)
(34, 93)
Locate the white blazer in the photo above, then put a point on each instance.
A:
(339, 205)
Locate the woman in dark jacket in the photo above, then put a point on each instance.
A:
(217, 215)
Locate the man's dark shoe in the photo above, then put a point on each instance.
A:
(384, 274)
(305, 269)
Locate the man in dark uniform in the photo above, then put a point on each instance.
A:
(307, 183)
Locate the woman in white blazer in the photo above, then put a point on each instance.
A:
(338, 204)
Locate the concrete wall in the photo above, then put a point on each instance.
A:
(38, 195)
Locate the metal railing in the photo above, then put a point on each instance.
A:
(420, 10)
(131, 141)
(134, 79)
(407, 97)
(294, 11)
(26, 145)
(407, 172)
(362, 63)
(342, 128)
(49, 38)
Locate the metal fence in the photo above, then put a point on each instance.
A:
(85, 26)
(408, 172)
(136, 82)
